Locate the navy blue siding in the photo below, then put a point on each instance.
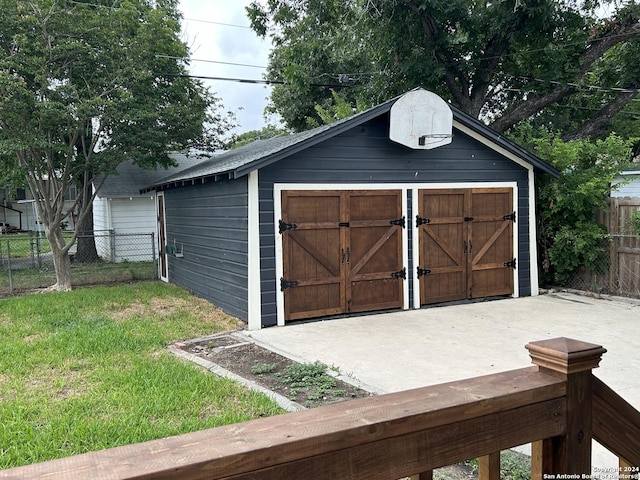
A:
(210, 222)
(365, 155)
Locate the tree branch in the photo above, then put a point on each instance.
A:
(598, 124)
(628, 27)
(451, 72)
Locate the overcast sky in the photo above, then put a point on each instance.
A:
(211, 41)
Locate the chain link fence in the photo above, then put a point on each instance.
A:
(103, 257)
(615, 272)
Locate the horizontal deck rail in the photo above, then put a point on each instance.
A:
(402, 434)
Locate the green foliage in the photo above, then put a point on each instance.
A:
(634, 223)
(262, 368)
(309, 375)
(264, 133)
(502, 61)
(87, 85)
(339, 108)
(569, 236)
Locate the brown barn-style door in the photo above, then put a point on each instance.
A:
(342, 252)
(465, 243)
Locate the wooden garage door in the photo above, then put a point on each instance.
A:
(342, 252)
(466, 243)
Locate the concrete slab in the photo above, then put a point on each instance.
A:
(401, 350)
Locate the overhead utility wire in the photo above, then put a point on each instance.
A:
(158, 55)
(245, 80)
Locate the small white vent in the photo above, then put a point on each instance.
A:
(421, 120)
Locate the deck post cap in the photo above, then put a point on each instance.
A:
(565, 355)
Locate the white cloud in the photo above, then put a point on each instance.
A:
(232, 44)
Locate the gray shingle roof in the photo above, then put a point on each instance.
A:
(131, 179)
(239, 162)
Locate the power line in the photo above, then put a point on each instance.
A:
(211, 61)
(216, 23)
(246, 80)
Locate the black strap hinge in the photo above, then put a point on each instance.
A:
(343, 224)
(400, 274)
(511, 263)
(283, 226)
(422, 221)
(399, 222)
(284, 284)
(511, 216)
(423, 271)
(468, 219)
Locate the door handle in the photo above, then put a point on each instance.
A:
(348, 256)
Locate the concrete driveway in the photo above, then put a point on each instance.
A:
(402, 350)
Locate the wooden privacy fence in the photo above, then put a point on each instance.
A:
(558, 405)
(623, 276)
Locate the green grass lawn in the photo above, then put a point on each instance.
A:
(88, 369)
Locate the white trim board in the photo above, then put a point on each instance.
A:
(254, 292)
(162, 248)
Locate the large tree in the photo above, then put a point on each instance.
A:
(87, 84)
(503, 62)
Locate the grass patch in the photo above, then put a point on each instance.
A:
(88, 369)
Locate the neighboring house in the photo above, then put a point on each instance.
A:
(18, 211)
(121, 215)
(409, 203)
(630, 180)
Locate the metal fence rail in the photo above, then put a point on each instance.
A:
(26, 261)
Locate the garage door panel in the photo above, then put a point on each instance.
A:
(313, 254)
(466, 241)
(375, 246)
(443, 286)
(340, 249)
(442, 245)
(378, 294)
(441, 237)
(492, 282)
(492, 233)
(312, 301)
(375, 250)
(374, 206)
(311, 207)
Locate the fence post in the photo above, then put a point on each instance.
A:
(9, 267)
(153, 254)
(112, 241)
(573, 361)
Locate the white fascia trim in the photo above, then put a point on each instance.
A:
(278, 188)
(254, 307)
(496, 148)
(533, 237)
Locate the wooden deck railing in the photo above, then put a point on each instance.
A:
(557, 405)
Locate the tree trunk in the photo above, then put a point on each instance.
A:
(86, 251)
(61, 261)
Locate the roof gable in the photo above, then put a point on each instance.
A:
(239, 162)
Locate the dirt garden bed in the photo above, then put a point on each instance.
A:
(310, 384)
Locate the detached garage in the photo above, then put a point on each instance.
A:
(407, 204)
